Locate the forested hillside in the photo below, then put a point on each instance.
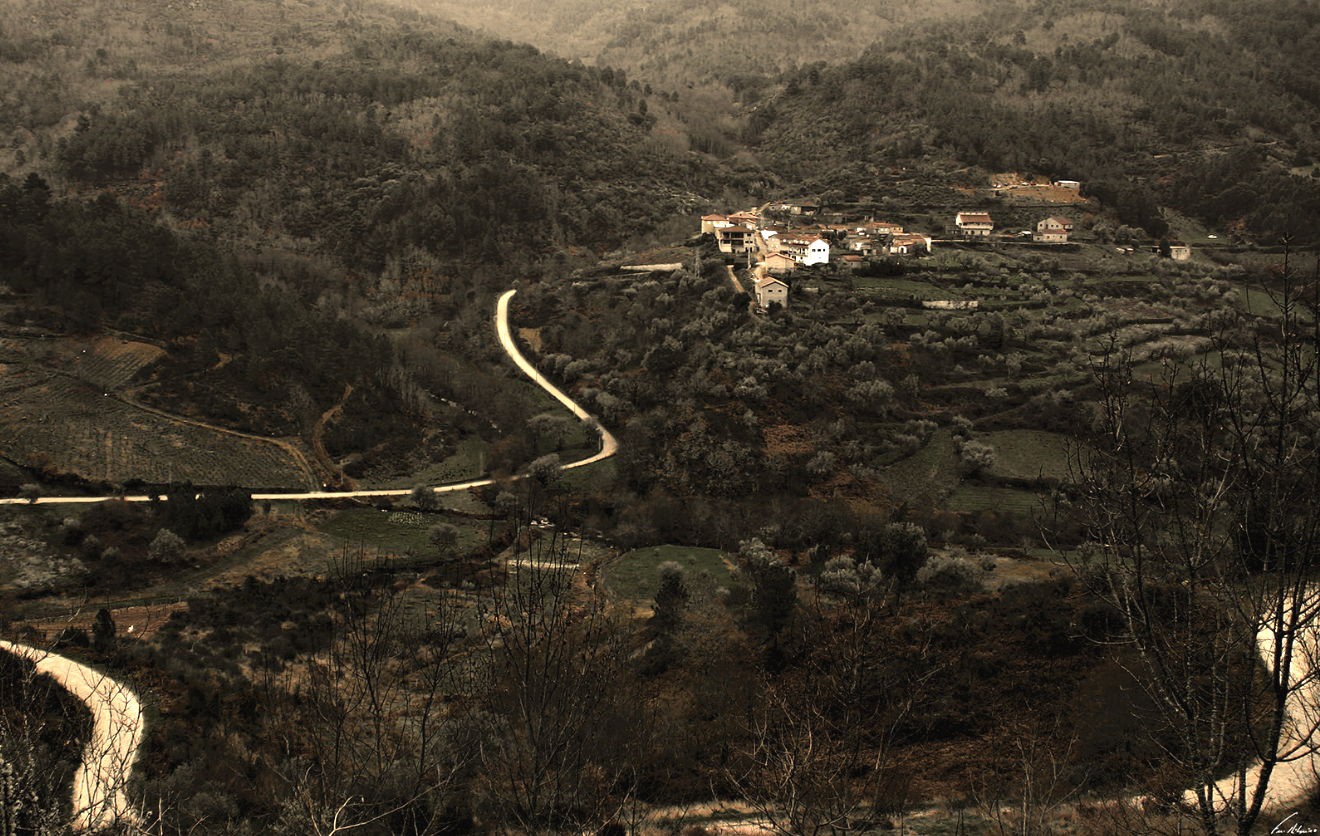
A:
(705, 61)
(1209, 106)
(259, 188)
(362, 132)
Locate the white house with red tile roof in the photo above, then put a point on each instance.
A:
(879, 228)
(974, 224)
(805, 249)
(909, 243)
(1052, 230)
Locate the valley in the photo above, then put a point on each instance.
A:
(661, 418)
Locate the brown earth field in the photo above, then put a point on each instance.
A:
(65, 411)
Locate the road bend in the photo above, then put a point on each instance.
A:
(609, 445)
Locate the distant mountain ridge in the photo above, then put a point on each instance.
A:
(673, 42)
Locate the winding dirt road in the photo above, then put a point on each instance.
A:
(99, 786)
(99, 797)
(608, 444)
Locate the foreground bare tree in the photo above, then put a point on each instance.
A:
(820, 757)
(32, 795)
(369, 745)
(1201, 492)
(560, 734)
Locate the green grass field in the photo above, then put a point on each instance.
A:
(634, 576)
(1260, 302)
(977, 498)
(928, 473)
(400, 532)
(1029, 454)
(891, 288)
(468, 461)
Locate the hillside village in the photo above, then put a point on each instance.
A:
(783, 236)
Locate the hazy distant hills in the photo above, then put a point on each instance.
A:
(674, 42)
(376, 131)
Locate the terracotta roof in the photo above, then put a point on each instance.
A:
(768, 280)
(974, 217)
(714, 217)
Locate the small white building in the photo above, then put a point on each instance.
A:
(770, 289)
(1180, 252)
(711, 223)
(909, 243)
(1073, 185)
(974, 224)
(1053, 230)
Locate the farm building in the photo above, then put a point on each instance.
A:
(779, 263)
(974, 224)
(771, 290)
(909, 243)
(1053, 230)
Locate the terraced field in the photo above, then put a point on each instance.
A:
(59, 412)
(1029, 454)
(108, 361)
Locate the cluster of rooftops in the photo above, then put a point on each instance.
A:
(782, 236)
(774, 235)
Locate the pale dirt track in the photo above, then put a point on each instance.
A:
(99, 797)
(99, 786)
(608, 444)
(117, 731)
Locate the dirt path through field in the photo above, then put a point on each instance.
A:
(318, 438)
